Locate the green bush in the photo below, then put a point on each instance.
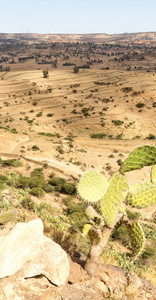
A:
(6, 180)
(23, 182)
(48, 188)
(36, 179)
(37, 191)
(62, 186)
(98, 135)
(57, 181)
(140, 105)
(133, 215)
(35, 148)
(76, 69)
(121, 232)
(149, 251)
(12, 163)
(68, 188)
(75, 212)
(45, 74)
(27, 203)
(60, 150)
(50, 115)
(117, 122)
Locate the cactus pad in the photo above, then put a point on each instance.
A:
(153, 174)
(86, 229)
(112, 202)
(137, 238)
(140, 157)
(142, 195)
(8, 216)
(92, 186)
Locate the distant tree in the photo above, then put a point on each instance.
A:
(76, 69)
(45, 74)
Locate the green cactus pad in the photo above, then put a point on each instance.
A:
(142, 195)
(92, 186)
(153, 174)
(112, 202)
(86, 229)
(137, 239)
(8, 216)
(140, 157)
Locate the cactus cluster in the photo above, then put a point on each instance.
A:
(111, 198)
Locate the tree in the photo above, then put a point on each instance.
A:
(106, 203)
(76, 69)
(45, 74)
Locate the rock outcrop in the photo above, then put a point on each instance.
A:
(26, 250)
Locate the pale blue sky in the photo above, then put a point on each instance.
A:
(81, 16)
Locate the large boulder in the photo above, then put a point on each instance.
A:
(26, 250)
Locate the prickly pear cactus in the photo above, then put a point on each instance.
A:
(112, 202)
(153, 174)
(8, 216)
(92, 186)
(140, 157)
(142, 195)
(137, 239)
(86, 229)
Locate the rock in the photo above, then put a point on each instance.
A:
(111, 281)
(133, 280)
(27, 251)
(77, 273)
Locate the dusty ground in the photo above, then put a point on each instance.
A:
(26, 98)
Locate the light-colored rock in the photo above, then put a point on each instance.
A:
(27, 251)
(10, 294)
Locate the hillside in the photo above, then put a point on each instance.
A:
(54, 128)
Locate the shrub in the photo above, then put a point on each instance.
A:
(57, 181)
(39, 114)
(150, 137)
(140, 105)
(98, 135)
(12, 163)
(127, 89)
(60, 150)
(133, 215)
(45, 74)
(27, 203)
(35, 148)
(37, 191)
(5, 180)
(68, 188)
(50, 115)
(121, 233)
(117, 122)
(149, 251)
(13, 130)
(76, 69)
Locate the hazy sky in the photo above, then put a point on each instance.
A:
(77, 16)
